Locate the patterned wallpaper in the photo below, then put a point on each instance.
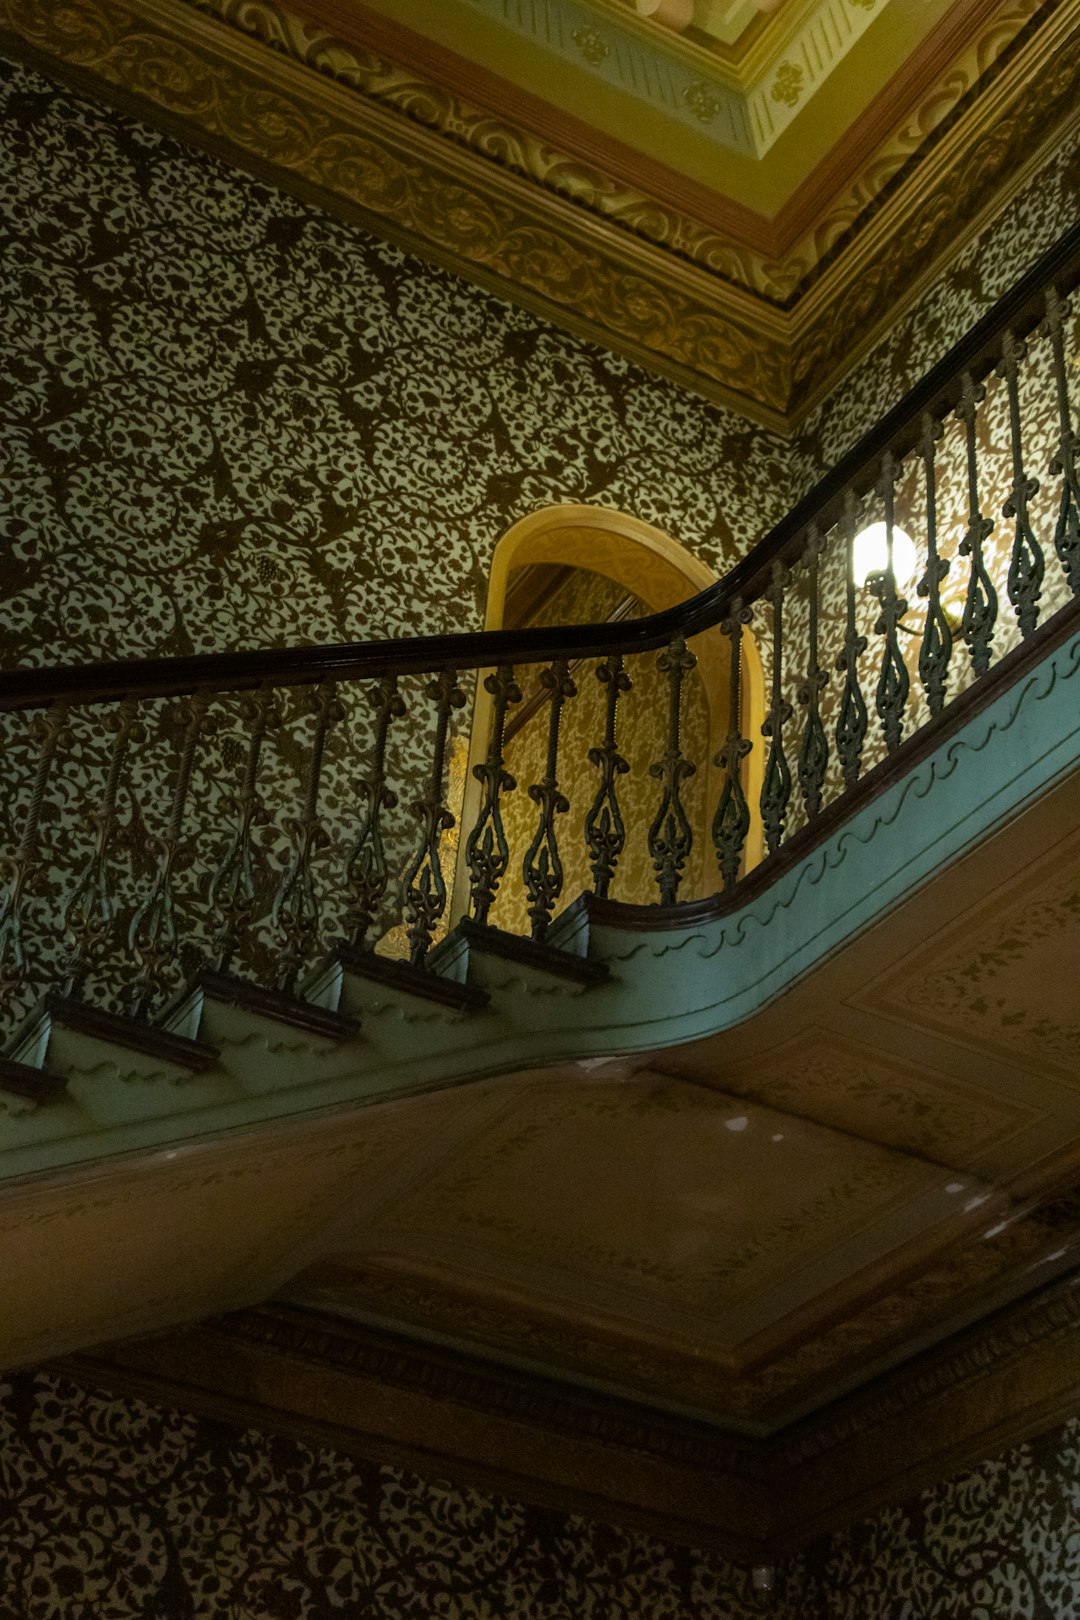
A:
(118, 1509)
(999, 1542)
(230, 419)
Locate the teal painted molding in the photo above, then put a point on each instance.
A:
(667, 988)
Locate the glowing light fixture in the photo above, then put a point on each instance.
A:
(872, 554)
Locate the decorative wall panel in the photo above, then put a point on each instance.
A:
(233, 420)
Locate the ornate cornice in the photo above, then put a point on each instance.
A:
(486, 1387)
(358, 1388)
(348, 128)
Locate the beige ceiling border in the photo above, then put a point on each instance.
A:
(257, 105)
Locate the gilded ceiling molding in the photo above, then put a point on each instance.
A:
(774, 261)
(349, 129)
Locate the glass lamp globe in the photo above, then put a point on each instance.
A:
(871, 554)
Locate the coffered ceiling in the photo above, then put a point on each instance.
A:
(741, 105)
(744, 203)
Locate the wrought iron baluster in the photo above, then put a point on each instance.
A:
(894, 682)
(1026, 564)
(1067, 530)
(295, 912)
(425, 886)
(542, 867)
(487, 852)
(671, 837)
(776, 784)
(605, 831)
(233, 888)
(853, 719)
(980, 598)
(366, 871)
(51, 732)
(731, 822)
(935, 649)
(89, 912)
(813, 759)
(152, 936)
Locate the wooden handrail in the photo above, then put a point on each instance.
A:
(1020, 310)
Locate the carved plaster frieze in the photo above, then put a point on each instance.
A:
(1051, 1315)
(765, 333)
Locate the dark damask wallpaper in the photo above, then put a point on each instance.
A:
(230, 419)
(1000, 1542)
(114, 1510)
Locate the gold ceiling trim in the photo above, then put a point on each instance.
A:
(251, 98)
(772, 259)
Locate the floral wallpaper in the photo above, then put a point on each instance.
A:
(115, 1509)
(229, 420)
(232, 420)
(999, 1542)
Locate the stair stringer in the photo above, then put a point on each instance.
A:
(666, 987)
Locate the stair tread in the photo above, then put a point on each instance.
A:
(531, 952)
(278, 1005)
(413, 981)
(24, 1080)
(86, 1019)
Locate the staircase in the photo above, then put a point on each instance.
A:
(171, 996)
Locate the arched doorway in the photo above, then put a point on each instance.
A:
(580, 564)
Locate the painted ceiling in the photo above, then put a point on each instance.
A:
(743, 105)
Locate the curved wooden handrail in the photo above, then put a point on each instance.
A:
(1020, 310)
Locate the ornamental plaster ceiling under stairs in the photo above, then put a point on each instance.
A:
(737, 1227)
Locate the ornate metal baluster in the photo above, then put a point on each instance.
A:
(980, 600)
(366, 872)
(605, 831)
(295, 911)
(152, 936)
(487, 852)
(935, 649)
(853, 719)
(542, 866)
(425, 886)
(90, 910)
(776, 784)
(731, 822)
(894, 682)
(670, 836)
(233, 888)
(814, 750)
(1027, 564)
(1067, 532)
(50, 731)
